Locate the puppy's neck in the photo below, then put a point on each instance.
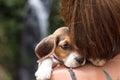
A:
(55, 59)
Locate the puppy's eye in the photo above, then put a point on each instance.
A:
(65, 46)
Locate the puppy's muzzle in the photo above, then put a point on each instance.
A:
(80, 60)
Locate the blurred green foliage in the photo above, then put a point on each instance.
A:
(55, 19)
(11, 12)
(11, 24)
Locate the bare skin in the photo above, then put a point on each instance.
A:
(90, 72)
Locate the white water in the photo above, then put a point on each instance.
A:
(40, 10)
(42, 15)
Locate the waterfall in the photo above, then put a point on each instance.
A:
(35, 28)
(42, 11)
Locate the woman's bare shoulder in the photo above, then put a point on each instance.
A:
(113, 67)
(90, 72)
(86, 72)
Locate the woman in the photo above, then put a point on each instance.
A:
(95, 29)
(110, 71)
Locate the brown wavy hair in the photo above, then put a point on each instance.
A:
(94, 26)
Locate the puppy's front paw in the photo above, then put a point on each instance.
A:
(43, 73)
(98, 62)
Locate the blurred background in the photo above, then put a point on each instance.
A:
(23, 23)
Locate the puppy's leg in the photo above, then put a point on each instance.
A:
(44, 69)
(98, 62)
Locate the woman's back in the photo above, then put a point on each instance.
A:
(89, 72)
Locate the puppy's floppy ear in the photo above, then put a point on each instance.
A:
(57, 40)
(45, 46)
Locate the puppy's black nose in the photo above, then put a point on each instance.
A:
(80, 60)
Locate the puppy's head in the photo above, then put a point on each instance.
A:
(61, 46)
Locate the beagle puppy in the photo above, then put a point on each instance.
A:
(57, 48)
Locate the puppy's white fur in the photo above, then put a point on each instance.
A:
(44, 69)
(70, 61)
(98, 62)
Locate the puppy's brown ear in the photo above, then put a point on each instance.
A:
(45, 46)
(57, 40)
